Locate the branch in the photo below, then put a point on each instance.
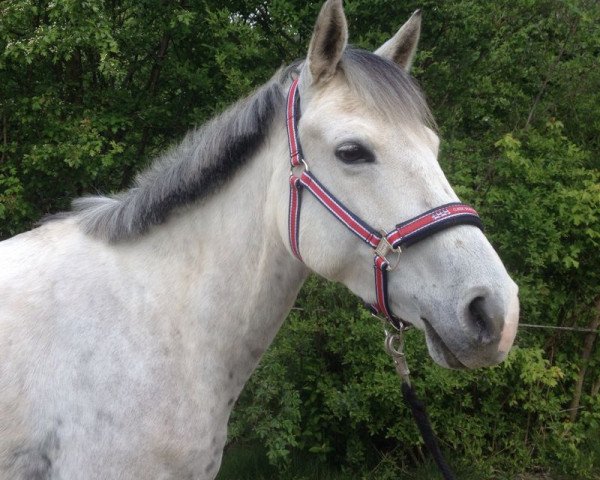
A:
(539, 95)
(588, 345)
(4, 137)
(595, 387)
(151, 86)
(157, 67)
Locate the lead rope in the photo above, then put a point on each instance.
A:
(394, 346)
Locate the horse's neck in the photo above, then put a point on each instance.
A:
(230, 277)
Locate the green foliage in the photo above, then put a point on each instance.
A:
(91, 90)
(348, 408)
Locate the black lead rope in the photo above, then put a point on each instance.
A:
(394, 346)
(420, 415)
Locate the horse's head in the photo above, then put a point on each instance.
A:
(366, 134)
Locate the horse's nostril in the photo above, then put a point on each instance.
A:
(484, 323)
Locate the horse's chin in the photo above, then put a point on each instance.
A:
(439, 351)
(445, 356)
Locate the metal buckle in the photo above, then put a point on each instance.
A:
(384, 248)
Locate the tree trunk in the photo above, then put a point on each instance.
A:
(595, 387)
(4, 137)
(151, 86)
(588, 346)
(550, 72)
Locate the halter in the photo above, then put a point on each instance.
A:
(382, 242)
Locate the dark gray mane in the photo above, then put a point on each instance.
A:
(210, 155)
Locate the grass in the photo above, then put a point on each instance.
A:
(249, 462)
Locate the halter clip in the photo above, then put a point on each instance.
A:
(394, 346)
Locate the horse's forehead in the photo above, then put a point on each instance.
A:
(337, 106)
(336, 98)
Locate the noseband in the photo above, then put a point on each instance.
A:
(383, 243)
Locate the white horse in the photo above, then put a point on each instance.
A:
(129, 327)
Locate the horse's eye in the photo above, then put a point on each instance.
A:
(352, 152)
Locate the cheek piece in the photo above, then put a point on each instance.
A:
(382, 242)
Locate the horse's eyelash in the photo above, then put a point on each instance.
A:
(367, 155)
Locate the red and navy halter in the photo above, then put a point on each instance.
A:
(403, 235)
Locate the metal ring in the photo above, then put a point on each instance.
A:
(302, 164)
(397, 251)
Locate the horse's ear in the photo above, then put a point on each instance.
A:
(401, 47)
(328, 41)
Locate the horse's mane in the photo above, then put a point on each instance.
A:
(208, 156)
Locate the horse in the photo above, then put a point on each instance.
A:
(129, 325)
